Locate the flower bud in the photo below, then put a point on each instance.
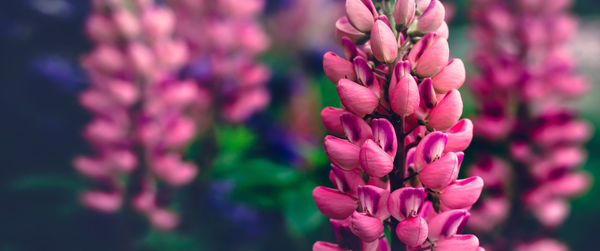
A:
(429, 149)
(422, 5)
(462, 194)
(100, 29)
(107, 202)
(350, 49)
(459, 136)
(367, 228)
(141, 58)
(341, 152)
(402, 68)
(359, 14)
(326, 246)
(173, 170)
(158, 23)
(374, 160)
(331, 120)
(406, 202)
(346, 181)
(356, 98)
(458, 242)
(373, 201)
(404, 98)
(443, 31)
(429, 55)
(427, 93)
(364, 75)
(332, 203)
(383, 42)
(447, 112)
(337, 68)
(356, 129)
(447, 224)
(432, 17)
(451, 77)
(440, 173)
(412, 231)
(404, 12)
(385, 136)
(345, 29)
(126, 23)
(163, 219)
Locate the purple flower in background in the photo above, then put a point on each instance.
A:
(525, 88)
(58, 70)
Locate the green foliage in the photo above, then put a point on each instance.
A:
(167, 241)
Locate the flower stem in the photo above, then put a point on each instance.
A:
(397, 176)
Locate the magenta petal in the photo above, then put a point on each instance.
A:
(447, 224)
(412, 231)
(462, 194)
(429, 55)
(427, 93)
(447, 112)
(374, 160)
(332, 203)
(404, 97)
(432, 18)
(364, 74)
(344, 236)
(337, 68)
(326, 246)
(346, 181)
(459, 136)
(367, 228)
(401, 69)
(350, 49)
(343, 28)
(373, 200)
(406, 202)
(451, 77)
(440, 173)
(355, 128)
(359, 15)
(341, 152)
(458, 242)
(331, 120)
(385, 136)
(383, 42)
(356, 98)
(404, 12)
(429, 149)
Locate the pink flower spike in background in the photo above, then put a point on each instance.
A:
(142, 110)
(529, 135)
(398, 132)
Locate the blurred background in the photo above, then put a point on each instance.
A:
(254, 193)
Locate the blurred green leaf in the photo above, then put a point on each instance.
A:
(167, 241)
(234, 139)
(329, 96)
(48, 181)
(301, 213)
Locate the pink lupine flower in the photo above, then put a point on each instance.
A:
(225, 40)
(524, 89)
(141, 114)
(398, 142)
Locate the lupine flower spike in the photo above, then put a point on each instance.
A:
(398, 140)
(140, 107)
(524, 88)
(225, 40)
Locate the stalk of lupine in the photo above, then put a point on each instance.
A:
(141, 110)
(525, 86)
(225, 40)
(398, 139)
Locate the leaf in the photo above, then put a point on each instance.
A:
(301, 213)
(167, 241)
(48, 181)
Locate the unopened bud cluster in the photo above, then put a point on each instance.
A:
(141, 110)
(524, 89)
(398, 141)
